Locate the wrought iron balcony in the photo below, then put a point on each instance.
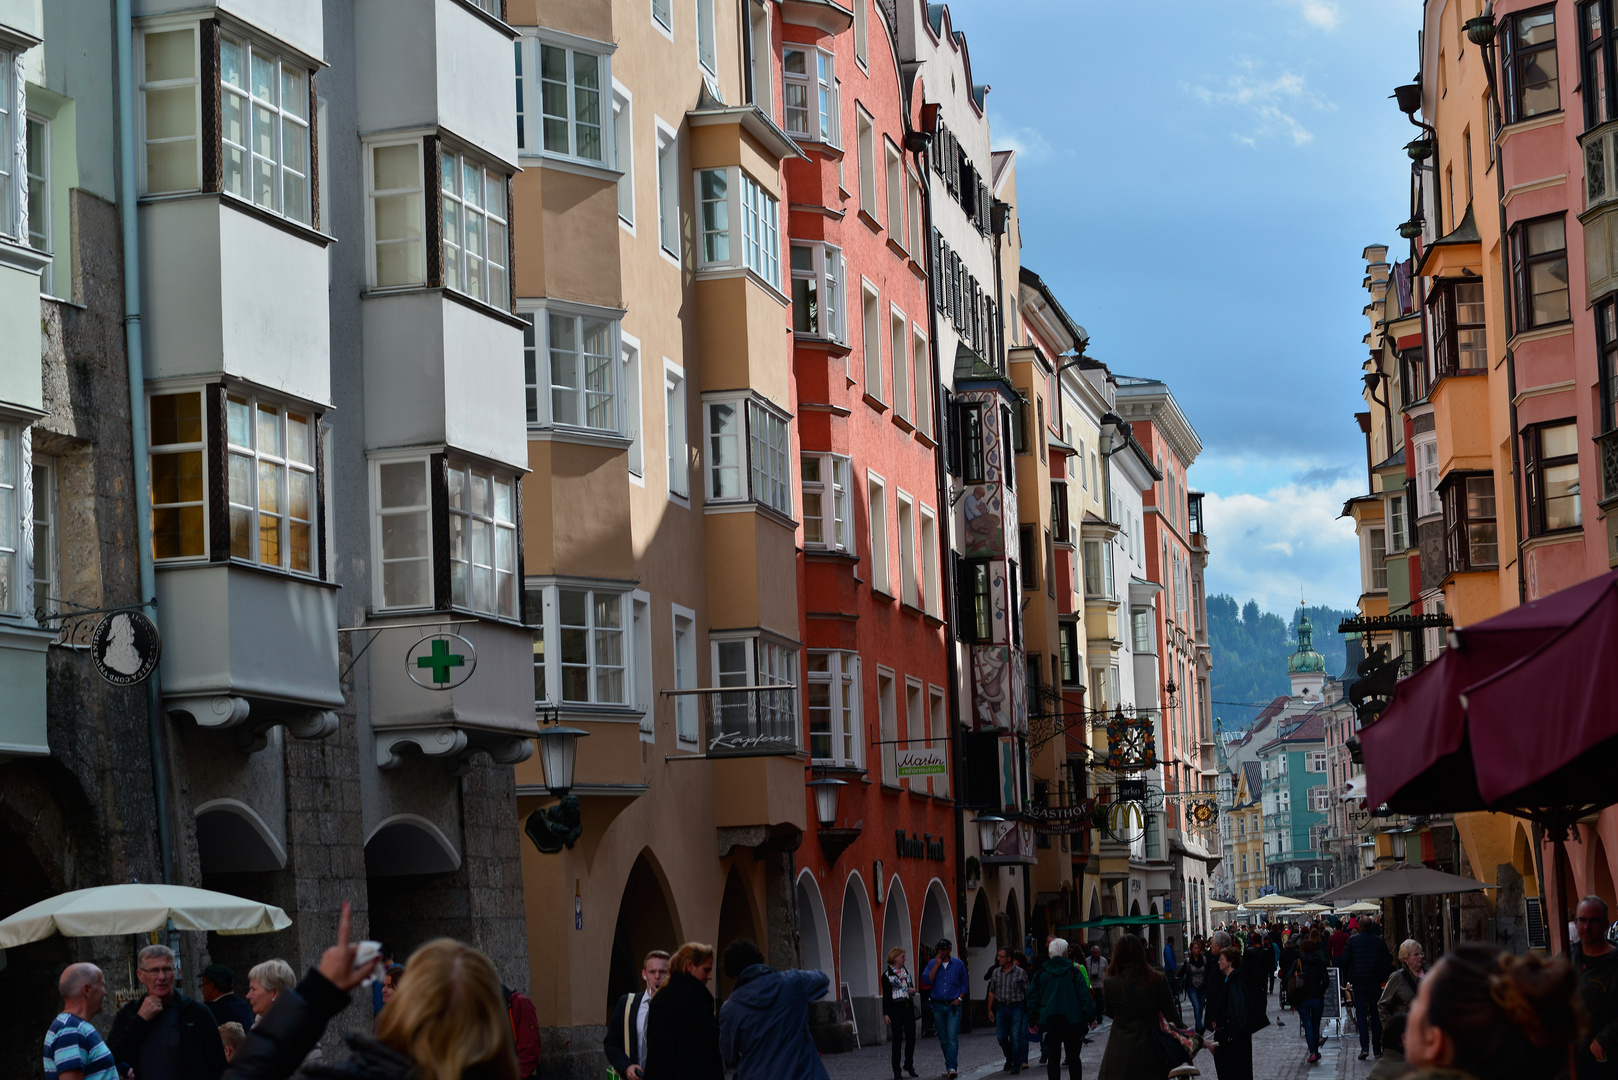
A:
(743, 721)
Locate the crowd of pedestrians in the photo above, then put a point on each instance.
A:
(1479, 1014)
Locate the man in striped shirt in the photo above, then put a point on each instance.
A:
(73, 1047)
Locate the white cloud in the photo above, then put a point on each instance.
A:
(1321, 13)
(1273, 103)
(1030, 143)
(1271, 545)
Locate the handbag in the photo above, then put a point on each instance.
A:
(1295, 981)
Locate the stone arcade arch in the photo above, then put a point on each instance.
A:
(646, 920)
(896, 923)
(937, 922)
(233, 838)
(856, 958)
(814, 932)
(736, 920)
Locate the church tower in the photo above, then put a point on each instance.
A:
(1306, 668)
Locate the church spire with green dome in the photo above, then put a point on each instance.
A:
(1306, 660)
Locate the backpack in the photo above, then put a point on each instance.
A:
(524, 1027)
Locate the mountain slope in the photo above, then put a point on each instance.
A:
(1250, 651)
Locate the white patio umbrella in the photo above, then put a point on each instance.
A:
(1310, 909)
(136, 909)
(1360, 907)
(1272, 901)
(1220, 905)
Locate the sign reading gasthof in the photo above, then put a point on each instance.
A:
(921, 762)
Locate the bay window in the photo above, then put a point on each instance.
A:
(271, 477)
(179, 508)
(974, 603)
(748, 441)
(809, 83)
(1377, 542)
(1529, 63)
(584, 653)
(1071, 655)
(264, 128)
(12, 555)
(476, 253)
(817, 291)
(1427, 499)
(727, 198)
(1551, 477)
(1397, 537)
(833, 694)
(572, 120)
(1459, 339)
(39, 194)
(1607, 343)
(1539, 272)
(418, 498)
(395, 209)
(171, 102)
(826, 480)
(755, 660)
(1595, 40)
(1470, 531)
(572, 368)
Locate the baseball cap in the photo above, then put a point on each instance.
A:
(220, 975)
(945, 943)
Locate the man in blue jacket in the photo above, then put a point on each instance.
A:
(1367, 965)
(764, 1024)
(944, 979)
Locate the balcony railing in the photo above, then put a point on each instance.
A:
(746, 721)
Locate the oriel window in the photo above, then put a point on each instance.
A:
(1530, 65)
(1539, 272)
(1551, 476)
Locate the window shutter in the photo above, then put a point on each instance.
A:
(938, 149)
(952, 435)
(937, 269)
(983, 208)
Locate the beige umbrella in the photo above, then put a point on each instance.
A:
(1360, 907)
(1220, 905)
(1310, 909)
(1274, 900)
(136, 909)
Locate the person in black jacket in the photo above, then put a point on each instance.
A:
(625, 1044)
(1366, 964)
(682, 1032)
(165, 1035)
(1228, 1016)
(448, 1019)
(1311, 999)
(215, 985)
(899, 1010)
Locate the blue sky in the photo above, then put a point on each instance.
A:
(1197, 182)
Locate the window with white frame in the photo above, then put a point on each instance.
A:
(915, 245)
(623, 151)
(685, 673)
(752, 660)
(12, 555)
(726, 197)
(571, 361)
(939, 740)
(901, 364)
(1315, 761)
(170, 98)
(1319, 800)
(887, 716)
(396, 215)
(39, 193)
(640, 653)
(45, 534)
(707, 39)
(668, 190)
(809, 83)
(762, 73)
(271, 467)
(674, 420)
(871, 339)
(915, 725)
(907, 550)
(571, 108)
(482, 541)
(1427, 500)
(865, 130)
(862, 32)
(662, 12)
(179, 502)
(404, 533)
(584, 652)
(1397, 543)
(877, 515)
(524, 86)
(634, 420)
(896, 193)
(264, 127)
(833, 694)
(817, 291)
(748, 444)
(921, 381)
(475, 250)
(827, 479)
(929, 563)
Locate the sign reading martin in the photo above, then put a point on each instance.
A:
(921, 762)
(125, 648)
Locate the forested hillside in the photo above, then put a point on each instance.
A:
(1250, 651)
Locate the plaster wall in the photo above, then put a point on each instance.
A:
(299, 23)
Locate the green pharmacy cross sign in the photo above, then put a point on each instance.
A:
(441, 661)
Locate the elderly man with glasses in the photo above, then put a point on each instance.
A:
(1596, 961)
(164, 1034)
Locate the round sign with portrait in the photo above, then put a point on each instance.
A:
(125, 648)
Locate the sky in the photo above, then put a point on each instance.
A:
(1197, 181)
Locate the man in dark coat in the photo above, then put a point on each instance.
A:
(1596, 961)
(764, 1024)
(165, 1035)
(215, 986)
(625, 1043)
(1367, 965)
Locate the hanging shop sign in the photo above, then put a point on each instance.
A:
(1131, 743)
(441, 661)
(921, 762)
(125, 647)
(1062, 820)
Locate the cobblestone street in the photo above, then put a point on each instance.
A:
(1278, 1054)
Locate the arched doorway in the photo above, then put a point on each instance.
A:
(1522, 859)
(814, 933)
(857, 962)
(937, 924)
(1566, 900)
(980, 944)
(645, 922)
(735, 921)
(1011, 927)
(896, 923)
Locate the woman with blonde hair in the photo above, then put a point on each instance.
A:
(682, 1031)
(899, 1010)
(1402, 986)
(447, 1021)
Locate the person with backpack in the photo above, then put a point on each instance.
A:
(524, 1031)
(1060, 1002)
(1366, 964)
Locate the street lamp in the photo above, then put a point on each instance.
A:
(826, 791)
(986, 823)
(1368, 854)
(1396, 840)
(552, 828)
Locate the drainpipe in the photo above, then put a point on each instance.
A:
(155, 718)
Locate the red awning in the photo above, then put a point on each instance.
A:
(1496, 720)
